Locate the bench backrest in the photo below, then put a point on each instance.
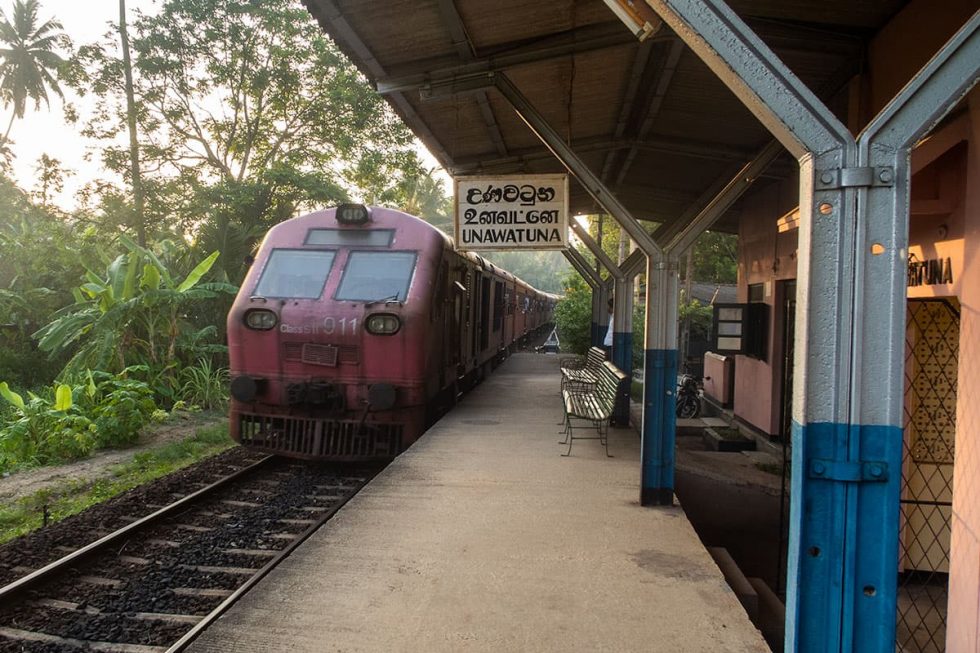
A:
(607, 386)
(595, 357)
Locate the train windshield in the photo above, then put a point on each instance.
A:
(377, 276)
(296, 274)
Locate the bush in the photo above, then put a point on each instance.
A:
(69, 422)
(573, 315)
(118, 406)
(204, 385)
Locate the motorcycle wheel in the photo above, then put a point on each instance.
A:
(688, 407)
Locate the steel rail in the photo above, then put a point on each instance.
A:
(35, 577)
(181, 645)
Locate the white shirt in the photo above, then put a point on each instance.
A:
(609, 333)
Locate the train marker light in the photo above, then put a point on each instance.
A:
(353, 214)
(383, 324)
(261, 319)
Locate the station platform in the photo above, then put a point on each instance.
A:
(482, 537)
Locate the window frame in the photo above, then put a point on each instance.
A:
(265, 268)
(350, 257)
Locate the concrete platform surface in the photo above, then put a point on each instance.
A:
(482, 538)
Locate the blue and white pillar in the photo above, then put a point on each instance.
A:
(622, 349)
(659, 385)
(848, 394)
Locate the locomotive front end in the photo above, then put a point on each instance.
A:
(323, 338)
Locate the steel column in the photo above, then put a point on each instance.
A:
(659, 383)
(589, 181)
(657, 455)
(847, 449)
(881, 248)
(582, 266)
(600, 311)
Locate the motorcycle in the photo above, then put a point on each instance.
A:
(688, 397)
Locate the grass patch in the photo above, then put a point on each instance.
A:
(636, 391)
(729, 433)
(73, 497)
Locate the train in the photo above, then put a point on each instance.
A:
(357, 326)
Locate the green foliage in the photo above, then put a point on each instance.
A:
(247, 114)
(29, 60)
(72, 497)
(66, 422)
(204, 385)
(545, 270)
(573, 315)
(133, 315)
(716, 257)
(700, 315)
(119, 406)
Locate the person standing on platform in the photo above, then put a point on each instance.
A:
(608, 342)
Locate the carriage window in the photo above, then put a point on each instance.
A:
(350, 237)
(295, 274)
(376, 276)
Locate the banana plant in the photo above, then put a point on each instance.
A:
(133, 314)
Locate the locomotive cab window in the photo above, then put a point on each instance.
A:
(377, 276)
(295, 274)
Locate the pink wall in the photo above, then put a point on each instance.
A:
(766, 257)
(963, 626)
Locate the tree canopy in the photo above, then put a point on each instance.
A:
(30, 59)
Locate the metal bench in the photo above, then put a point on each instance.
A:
(594, 405)
(582, 373)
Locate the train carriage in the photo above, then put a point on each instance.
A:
(356, 326)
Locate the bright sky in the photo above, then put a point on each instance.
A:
(45, 131)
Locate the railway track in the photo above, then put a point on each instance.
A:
(154, 584)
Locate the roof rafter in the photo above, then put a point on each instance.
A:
(464, 47)
(598, 36)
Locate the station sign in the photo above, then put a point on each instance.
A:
(511, 212)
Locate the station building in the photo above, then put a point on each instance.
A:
(656, 131)
(940, 523)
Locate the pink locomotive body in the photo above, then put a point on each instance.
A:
(357, 326)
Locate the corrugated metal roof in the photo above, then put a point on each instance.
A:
(650, 119)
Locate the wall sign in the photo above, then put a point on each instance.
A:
(930, 272)
(512, 212)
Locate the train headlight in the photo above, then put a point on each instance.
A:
(353, 214)
(383, 324)
(261, 319)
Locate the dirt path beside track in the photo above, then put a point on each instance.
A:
(18, 485)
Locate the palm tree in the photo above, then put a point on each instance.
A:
(29, 59)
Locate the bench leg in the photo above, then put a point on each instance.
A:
(569, 436)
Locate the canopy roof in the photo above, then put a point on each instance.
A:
(648, 118)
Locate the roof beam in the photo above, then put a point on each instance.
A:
(464, 47)
(675, 146)
(653, 108)
(599, 36)
(640, 62)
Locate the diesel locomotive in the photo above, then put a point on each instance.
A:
(357, 326)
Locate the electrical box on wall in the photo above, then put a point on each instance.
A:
(740, 329)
